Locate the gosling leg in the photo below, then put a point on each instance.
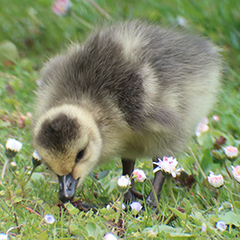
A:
(157, 186)
(131, 194)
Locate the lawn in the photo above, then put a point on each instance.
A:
(191, 208)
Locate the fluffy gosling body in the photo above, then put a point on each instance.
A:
(131, 90)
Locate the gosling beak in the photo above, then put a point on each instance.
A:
(67, 187)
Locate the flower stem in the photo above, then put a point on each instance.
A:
(169, 183)
(79, 19)
(225, 165)
(219, 197)
(231, 197)
(236, 189)
(155, 196)
(100, 9)
(197, 163)
(120, 208)
(5, 167)
(185, 223)
(30, 176)
(218, 201)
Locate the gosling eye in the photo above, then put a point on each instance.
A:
(79, 156)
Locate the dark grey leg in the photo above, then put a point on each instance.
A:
(157, 186)
(128, 166)
(131, 194)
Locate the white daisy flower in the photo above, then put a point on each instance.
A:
(123, 183)
(221, 225)
(236, 172)
(109, 236)
(167, 165)
(136, 206)
(36, 159)
(3, 236)
(139, 175)
(231, 152)
(215, 180)
(12, 147)
(48, 218)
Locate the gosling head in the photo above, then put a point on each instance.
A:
(69, 142)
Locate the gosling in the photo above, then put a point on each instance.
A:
(132, 90)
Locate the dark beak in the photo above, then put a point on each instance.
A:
(67, 187)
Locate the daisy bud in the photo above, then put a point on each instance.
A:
(221, 225)
(123, 184)
(29, 115)
(215, 118)
(219, 142)
(136, 206)
(13, 165)
(61, 7)
(49, 219)
(204, 227)
(109, 236)
(201, 128)
(12, 147)
(236, 173)
(139, 175)
(231, 153)
(226, 206)
(215, 180)
(217, 156)
(36, 159)
(182, 21)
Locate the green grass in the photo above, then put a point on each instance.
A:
(37, 34)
